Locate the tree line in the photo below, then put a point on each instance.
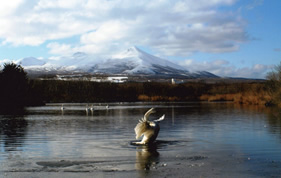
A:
(87, 91)
(17, 90)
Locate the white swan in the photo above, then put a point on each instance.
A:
(62, 108)
(87, 109)
(92, 108)
(149, 129)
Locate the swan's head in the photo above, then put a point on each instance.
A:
(152, 124)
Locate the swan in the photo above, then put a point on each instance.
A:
(149, 129)
(87, 109)
(92, 108)
(62, 108)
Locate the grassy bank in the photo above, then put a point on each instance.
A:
(241, 98)
(249, 93)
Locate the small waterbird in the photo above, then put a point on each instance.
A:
(92, 108)
(62, 108)
(148, 129)
(87, 109)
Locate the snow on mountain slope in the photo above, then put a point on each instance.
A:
(133, 61)
(145, 58)
(31, 61)
(78, 62)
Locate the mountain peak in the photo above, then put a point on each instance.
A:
(133, 49)
(30, 61)
(130, 52)
(135, 61)
(79, 54)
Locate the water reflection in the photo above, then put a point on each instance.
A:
(13, 131)
(274, 121)
(12, 111)
(146, 156)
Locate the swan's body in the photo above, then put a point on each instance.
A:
(87, 108)
(149, 129)
(62, 108)
(92, 108)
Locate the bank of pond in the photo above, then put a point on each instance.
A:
(53, 91)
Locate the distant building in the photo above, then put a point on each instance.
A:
(117, 79)
(80, 77)
(173, 81)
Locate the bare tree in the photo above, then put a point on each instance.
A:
(274, 84)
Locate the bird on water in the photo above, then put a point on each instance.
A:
(62, 108)
(148, 129)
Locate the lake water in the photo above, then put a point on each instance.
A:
(195, 140)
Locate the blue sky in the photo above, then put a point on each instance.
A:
(234, 38)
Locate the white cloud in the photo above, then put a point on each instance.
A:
(9, 7)
(254, 4)
(66, 4)
(224, 69)
(172, 27)
(108, 32)
(62, 49)
(185, 6)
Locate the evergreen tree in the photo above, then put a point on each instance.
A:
(14, 85)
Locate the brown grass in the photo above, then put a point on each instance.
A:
(250, 98)
(217, 97)
(157, 98)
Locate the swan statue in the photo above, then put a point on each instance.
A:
(148, 129)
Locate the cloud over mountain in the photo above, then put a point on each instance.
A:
(204, 30)
(224, 68)
(170, 27)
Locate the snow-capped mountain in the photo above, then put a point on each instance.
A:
(78, 62)
(31, 61)
(133, 61)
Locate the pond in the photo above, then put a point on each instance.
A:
(195, 140)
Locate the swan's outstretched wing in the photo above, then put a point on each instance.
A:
(160, 119)
(146, 115)
(141, 127)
